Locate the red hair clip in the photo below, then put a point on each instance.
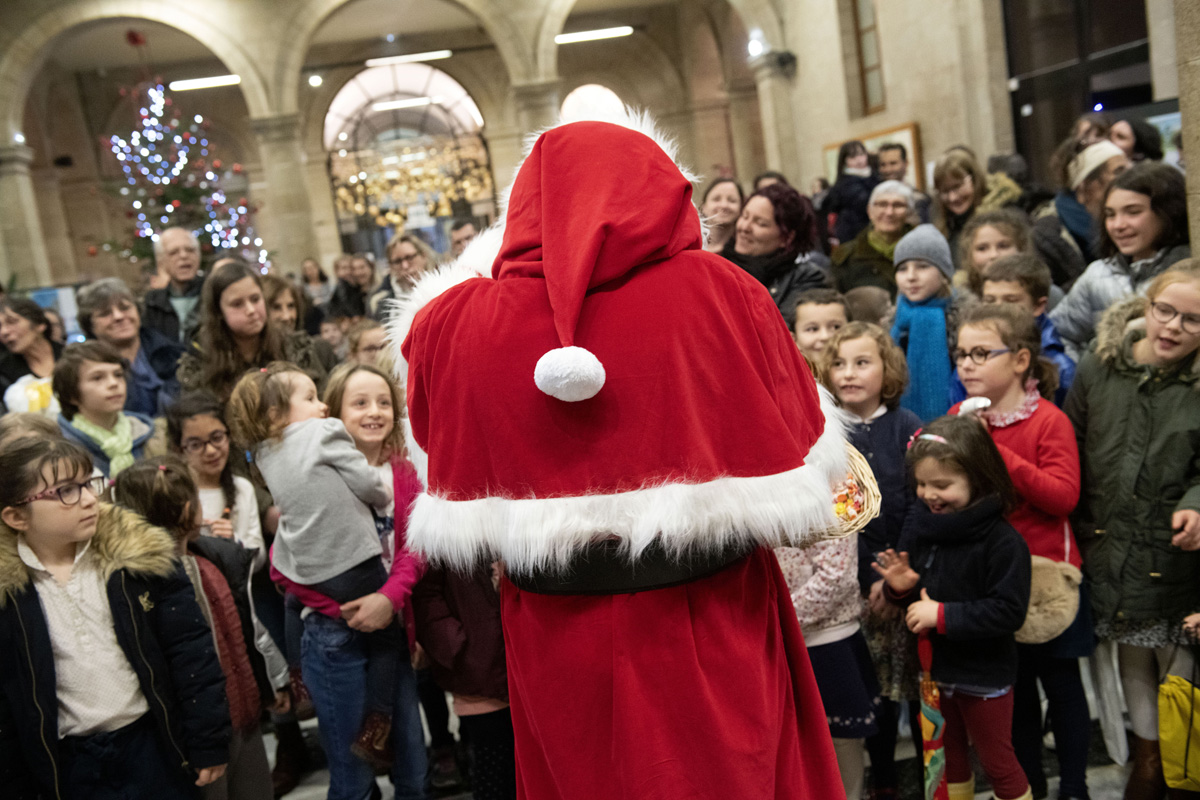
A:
(162, 467)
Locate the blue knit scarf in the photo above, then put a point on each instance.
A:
(920, 328)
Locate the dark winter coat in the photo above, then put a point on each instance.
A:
(785, 275)
(848, 199)
(856, 263)
(158, 625)
(347, 301)
(1138, 430)
(162, 354)
(978, 567)
(299, 348)
(884, 443)
(458, 623)
(159, 314)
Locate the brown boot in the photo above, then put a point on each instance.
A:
(1146, 778)
(302, 704)
(291, 757)
(374, 742)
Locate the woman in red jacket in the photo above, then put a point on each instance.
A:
(998, 357)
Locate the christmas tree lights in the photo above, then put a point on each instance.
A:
(171, 181)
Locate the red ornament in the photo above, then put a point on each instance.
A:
(175, 203)
(237, 169)
(168, 102)
(216, 163)
(135, 38)
(92, 250)
(241, 201)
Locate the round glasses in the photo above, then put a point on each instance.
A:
(194, 447)
(1164, 313)
(69, 494)
(978, 355)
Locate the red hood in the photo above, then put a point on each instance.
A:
(578, 240)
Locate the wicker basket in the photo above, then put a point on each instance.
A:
(856, 500)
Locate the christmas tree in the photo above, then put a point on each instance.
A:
(170, 180)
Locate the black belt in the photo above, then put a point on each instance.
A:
(603, 568)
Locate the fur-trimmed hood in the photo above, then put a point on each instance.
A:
(123, 540)
(1114, 328)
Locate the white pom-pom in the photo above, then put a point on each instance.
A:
(569, 374)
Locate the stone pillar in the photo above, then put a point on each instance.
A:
(1160, 23)
(778, 125)
(325, 223)
(537, 105)
(1187, 48)
(505, 147)
(745, 133)
(20, 227)
(285, 219)
(56, 233)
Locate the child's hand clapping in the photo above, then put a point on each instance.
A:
(893, 567)
(923, 614)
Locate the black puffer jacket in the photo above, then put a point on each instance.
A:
(848, 199)
(785, 275)
(160, 628)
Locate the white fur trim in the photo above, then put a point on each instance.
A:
(475, 262)
(570, 374)
(789, 509)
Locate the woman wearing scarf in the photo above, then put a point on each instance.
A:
(867, 259)
(776, 242)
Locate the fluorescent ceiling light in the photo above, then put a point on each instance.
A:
(432, 55)
(205, 83)
(591, 36)
(412, 102)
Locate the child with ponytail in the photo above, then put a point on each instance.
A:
(999, 358)
(962, 574)
(162, 492)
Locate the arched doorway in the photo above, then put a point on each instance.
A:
(406, 152)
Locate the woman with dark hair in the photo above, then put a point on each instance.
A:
(1140, 140)
(27, 367)
(1083, 172)
(1144, 231)
(289, 309)
(234, 334)
(316, 283)
(776, 242)
(848, 197)
(720, 206)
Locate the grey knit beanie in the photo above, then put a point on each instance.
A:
(926, 243)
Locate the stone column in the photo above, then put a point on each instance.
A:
(285, 219)
(537, 105)
(745, 133)
(21, 236)
(56, 233)
(1160, 23)
(325, 223)
(780, 138)
(1187, 48)
(505, 146)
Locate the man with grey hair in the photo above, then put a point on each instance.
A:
(866, 260)
(174, 311)
(108, 313)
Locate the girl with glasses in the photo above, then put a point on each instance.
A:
(999, 358)
(1135, 405)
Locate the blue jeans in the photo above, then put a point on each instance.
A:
(334, 661)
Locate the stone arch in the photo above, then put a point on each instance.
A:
(24, 56)
(758, 15)
(306, 21)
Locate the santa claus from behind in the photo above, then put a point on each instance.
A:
(624, 419)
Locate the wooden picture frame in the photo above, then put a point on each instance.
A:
(908, 134)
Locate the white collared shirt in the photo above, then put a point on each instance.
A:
(96, 685)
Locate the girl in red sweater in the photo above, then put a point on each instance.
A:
(998, 357)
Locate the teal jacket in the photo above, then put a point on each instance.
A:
(1138, 429)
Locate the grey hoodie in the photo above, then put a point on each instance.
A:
(322, 486)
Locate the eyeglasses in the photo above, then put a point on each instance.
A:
(70, 494)
(978, 355)
(194, 447)
(883, 205)
(1164, 313)
(404, 259)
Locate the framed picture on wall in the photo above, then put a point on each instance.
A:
(908, 135)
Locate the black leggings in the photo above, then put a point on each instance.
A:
(1069, 718)
(882, 746)
(493, 766)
